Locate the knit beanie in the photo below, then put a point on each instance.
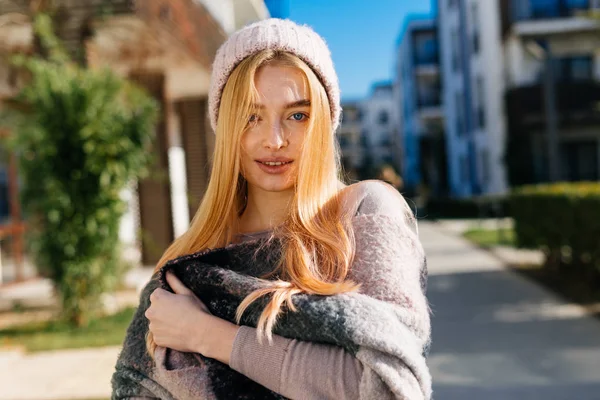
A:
(275, 34)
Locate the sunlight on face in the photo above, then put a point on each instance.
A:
(272, 143)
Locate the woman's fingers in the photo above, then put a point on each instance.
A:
(177, 286)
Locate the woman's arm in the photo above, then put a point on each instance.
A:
(292, 368)
(297, 369)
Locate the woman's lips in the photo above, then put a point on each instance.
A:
(277, 166)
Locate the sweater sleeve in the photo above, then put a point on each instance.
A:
(297, 369)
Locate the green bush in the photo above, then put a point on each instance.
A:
(81, 135)
(561, 219)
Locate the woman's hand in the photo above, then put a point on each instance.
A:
(180, 321)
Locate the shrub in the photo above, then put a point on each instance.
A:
(563, 220)
(81, 135)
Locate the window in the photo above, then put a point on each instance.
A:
(383, 118)
(543, 9)
(484, 162)
(460, 115)
(573, 68)
(480, 103)
(464, 169)
(580, 161)
(475, 24)
(425, 47)
(456, 51)
(428, 93)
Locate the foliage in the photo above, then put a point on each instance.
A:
(82, 135)
(561, 219)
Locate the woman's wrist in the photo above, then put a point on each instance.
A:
(216, 338)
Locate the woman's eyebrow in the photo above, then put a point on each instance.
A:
(299, 103)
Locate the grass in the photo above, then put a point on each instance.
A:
(56, 335)
(489, 238)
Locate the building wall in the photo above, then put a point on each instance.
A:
(376, 132)
(488, 89)
(453, 89)
(473, 87)
(411, 80)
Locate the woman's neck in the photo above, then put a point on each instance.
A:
(265, 210)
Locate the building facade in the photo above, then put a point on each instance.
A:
(349, 139)
(552, 73)
(167, 48)
(418, 103)
(472, 63)
(519, 91)
(377, 127)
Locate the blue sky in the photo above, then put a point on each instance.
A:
(361, 35)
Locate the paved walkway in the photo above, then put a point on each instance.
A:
(495, 336)
(498, 336)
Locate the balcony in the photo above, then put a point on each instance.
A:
(536, 18)
(430, 108)
(577, 105)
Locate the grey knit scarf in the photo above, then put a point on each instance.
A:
(385, 325)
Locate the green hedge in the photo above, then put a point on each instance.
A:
(562, 219)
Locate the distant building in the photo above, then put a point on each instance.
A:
(418, 102)
(377, 126)
(532, 32)
(349, 137)
(498, 103)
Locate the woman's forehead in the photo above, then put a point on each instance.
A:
(281, 85)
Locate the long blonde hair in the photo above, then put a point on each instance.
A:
(317, 237)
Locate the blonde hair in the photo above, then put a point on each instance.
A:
(317, 237)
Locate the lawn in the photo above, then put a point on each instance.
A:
(491, 238)
(55, 335)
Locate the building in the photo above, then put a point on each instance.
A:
(552, 76)
(349, 138)
(510, 119)
(167, 48)
(472, 64)
(377, 127)
(418, 102)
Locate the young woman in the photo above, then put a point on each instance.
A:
(341, 272)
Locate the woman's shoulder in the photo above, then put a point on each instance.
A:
(374, 197)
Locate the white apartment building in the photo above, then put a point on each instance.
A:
(498, 106)
(377, 125)
(418, 103)
(473, 88)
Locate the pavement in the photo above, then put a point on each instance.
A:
(496, 336)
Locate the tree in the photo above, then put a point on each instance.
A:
(81, 136)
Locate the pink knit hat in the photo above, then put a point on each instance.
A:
(276, 34)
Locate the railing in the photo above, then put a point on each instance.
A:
(523, 10)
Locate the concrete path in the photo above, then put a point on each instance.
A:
(498, 336)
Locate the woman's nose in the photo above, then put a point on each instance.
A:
(274, 137)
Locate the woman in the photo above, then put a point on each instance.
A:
(333, 276)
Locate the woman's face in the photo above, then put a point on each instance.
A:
(272, 143)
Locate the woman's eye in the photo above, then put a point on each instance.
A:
(253, 118)
(299, 116)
